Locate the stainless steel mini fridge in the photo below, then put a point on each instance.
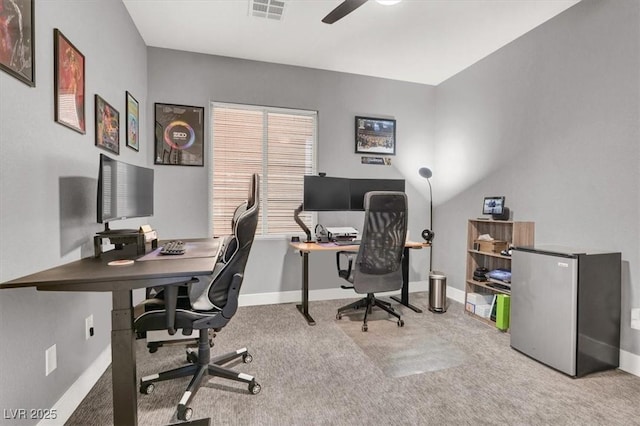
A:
(565, 307)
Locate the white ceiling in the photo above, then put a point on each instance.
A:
(422, 41)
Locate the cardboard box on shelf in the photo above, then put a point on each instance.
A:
(495, 246)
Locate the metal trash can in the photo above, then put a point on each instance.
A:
(437, 292)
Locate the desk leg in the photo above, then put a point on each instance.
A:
(304, 308)
(404, 299)
(123, 360)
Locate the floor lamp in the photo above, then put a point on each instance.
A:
(425, 172)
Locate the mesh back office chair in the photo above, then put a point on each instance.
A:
(213, 303)
(378, 263)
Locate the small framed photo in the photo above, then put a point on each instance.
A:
(375, 136)
(133, 122)
(107, 126)
(179, 135)
(68, 83)
(17, 25)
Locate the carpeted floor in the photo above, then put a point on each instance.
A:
(437, 369)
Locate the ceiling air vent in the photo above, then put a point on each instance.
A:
(270, 9)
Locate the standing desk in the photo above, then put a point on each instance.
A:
(307, 247)
(93, 274)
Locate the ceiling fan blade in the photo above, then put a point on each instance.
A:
(343, 9)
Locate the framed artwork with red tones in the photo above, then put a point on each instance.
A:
(69, 83)
(107, 126)
(17, 42)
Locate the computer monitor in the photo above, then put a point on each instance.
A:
(493, 206)
(359, 187)
(124, 191)
(322, 193)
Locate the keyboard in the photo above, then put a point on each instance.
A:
(173, 247)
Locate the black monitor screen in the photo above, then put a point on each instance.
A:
(359, 187)
(322, 193)
(493, 205)
(124, 190)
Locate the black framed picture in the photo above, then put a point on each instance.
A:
(133, 122)
(68, 83)
(179, 135)
(17, 46)
(107, 126)
(375, 136)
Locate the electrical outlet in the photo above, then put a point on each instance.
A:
(635, 318)
(88, 327)
(50, 360)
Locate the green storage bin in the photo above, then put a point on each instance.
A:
(502, 312)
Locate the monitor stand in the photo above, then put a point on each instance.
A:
(296, 217)
(109, 231)
(119, 238)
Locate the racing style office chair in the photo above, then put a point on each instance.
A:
(213, 302)
(378, 263)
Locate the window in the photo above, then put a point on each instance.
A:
(276, 143)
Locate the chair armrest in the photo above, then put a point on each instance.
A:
(171, 301)
(350, 256)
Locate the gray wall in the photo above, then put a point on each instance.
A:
(196, 79)
(47, 197)
(551, 121)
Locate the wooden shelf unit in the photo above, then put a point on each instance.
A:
(515, 233)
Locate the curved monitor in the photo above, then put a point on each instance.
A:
(124, 190)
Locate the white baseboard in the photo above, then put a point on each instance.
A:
(455, 294)
(72, 398)
(329, 294)
(630, 362)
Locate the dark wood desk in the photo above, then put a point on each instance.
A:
(306, 248)
(94, 274)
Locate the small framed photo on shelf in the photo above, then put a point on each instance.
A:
(179, 135)
(68, 83)
(107, 126)
(133, 122)
(375, 136)
(17, 56)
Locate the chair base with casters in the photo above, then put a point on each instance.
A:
(205, 303)
(202, 365)
(377, 265)
(368, 303)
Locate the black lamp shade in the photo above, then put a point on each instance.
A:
(425, 172)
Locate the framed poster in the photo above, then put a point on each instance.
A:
(107, 126)
(17, 41)
(375, 136)
(68, 83)
(133, 122)
(179, 135)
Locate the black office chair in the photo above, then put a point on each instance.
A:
(378, 263)
(213, 302)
